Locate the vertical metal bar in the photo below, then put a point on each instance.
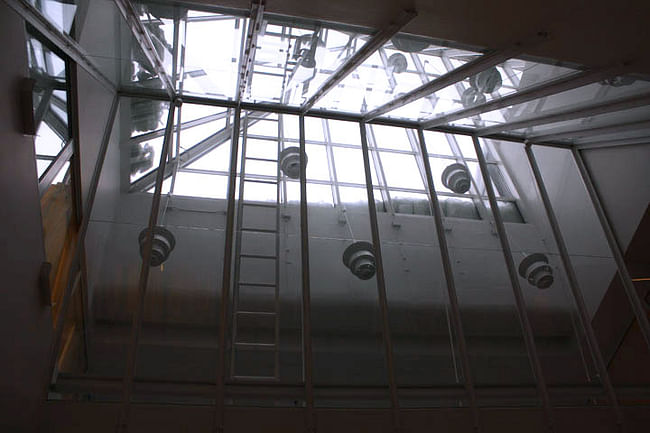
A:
(529, 338)
(381, 282)
(136, 326)
(575, 289)
(225, 282)
(616, 247)
(81, 236)
(306, 287)
(451, 284)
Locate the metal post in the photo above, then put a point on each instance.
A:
(306, 288)
(575, 289)
(451, 284)
(136, 326)
(529, 338)
(617, 250)
(81, 236)
(225, 282)
(381, 283)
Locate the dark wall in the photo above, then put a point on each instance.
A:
(25, 323)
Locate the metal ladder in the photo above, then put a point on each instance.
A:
(255, 310)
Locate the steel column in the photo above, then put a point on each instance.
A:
(618, 104)
(575, 289)
(381, 282)
(225, 282)
(617, 249)
(136, 326)
(81, 235)
(368, 49)
(451, 284)
(524, 320)
(306, 288)
(553, 87)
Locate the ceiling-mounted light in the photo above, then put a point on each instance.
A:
(487, 81)
(305, 68)
(537, 271)
(360, 259)
(290, 162)
(456, 178)
(471, 97)
(162, 244)
(397, 63)
(408, 44)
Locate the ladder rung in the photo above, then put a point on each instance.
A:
(270, 182)
(257, 313)
(254, 158)
(255, 346)
(257, 284)
(258, 256)
(255, 204)
(251, 229)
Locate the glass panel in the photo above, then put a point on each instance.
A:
(347, 343)
(401, 65)
(504, 79)
(564, 353)
(423, 347)
(60, 13)
(293, 60)
(497, 352)
(595, 268)
(592, 94)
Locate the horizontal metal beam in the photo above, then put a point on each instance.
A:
(618, 104)
(591, 132)
(55, 167)
(62, 41)
(139, 92)
(552, 87)
(376, 42)
(141, 35)
(469, 69)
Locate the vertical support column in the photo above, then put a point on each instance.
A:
(529, 339)
(81, 236)
(225, 282)
(451, 284)
(381, 282)
(615, 246)
(306, 288)
(575, 289)
(136, 326)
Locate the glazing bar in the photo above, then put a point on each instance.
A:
(575, 289)
(617, 250)
(516, 289)
(306, 287)
(136, 326)
(381, 282)
(225, 282)
(451, 284)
